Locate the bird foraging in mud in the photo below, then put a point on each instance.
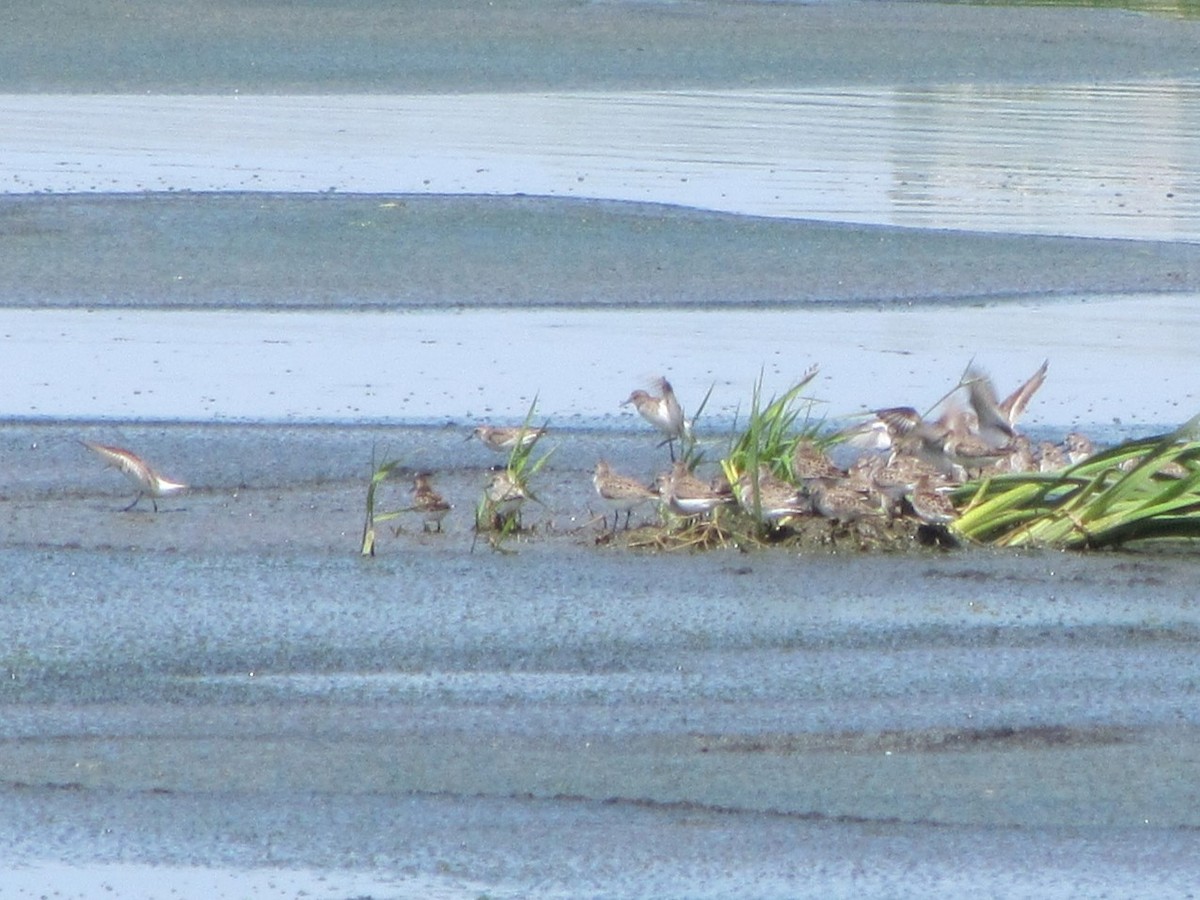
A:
(148, 482)
(428, 502)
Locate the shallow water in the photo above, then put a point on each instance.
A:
(1048, 159)
(578, 366)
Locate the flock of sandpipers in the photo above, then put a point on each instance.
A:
(898, 463)
(895, 462)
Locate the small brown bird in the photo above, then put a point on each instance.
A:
(1078, 447)
(147, 480)
(428, 502)
(931, 503)
(911, 435)
(972, 453)
(842, 502)
(1051, 457)
(505, 495)
(620, 492)
(500, 438)
(687, 495)
(777, 500)
(810, 461)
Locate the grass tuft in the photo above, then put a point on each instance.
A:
(380, 472)
(520, 469)
(1142, 489)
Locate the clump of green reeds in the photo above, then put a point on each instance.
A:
(1138, 490)
(771, 434)
(520, 468)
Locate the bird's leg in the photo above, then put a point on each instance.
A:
(134, 503)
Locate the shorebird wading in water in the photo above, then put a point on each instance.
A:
(663, 412)
(149, 482)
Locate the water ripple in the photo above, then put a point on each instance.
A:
(1112, 160)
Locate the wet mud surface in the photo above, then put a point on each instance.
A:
(411, 252)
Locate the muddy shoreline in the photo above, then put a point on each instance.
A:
(206, 251)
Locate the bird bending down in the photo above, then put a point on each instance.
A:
(428, 502)
(663, 412)
(148, 482)
(505, 494)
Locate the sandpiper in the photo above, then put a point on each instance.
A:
(663, 412)
(930, 502)
(501, 438)
(505, 494)
(971, 453)
(1078, 447)
(891, 480)
(842, 502)
(810, 461)
(620, 492)
(777, 500)
(1051, 457)
(428, 502)
(913, 436)
(992, 423)
(687, 495)
(148, 482)
(1020, 458)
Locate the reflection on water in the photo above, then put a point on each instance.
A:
(1098, 160)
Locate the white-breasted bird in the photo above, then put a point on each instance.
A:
(148, 482)
(662, 411)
